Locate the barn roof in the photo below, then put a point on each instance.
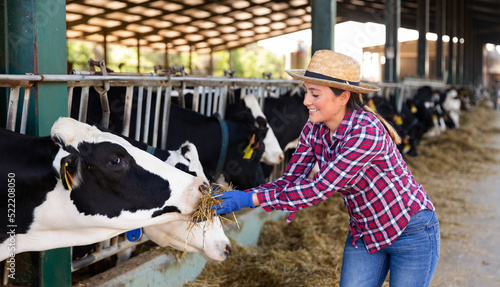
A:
(208, 25)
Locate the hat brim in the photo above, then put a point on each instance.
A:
(298, 74)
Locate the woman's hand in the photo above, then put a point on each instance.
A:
(234, 200)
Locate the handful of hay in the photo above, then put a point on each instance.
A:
(204, 212)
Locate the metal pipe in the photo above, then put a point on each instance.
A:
(24, 115)
(12, 111)
(127, 113)
(84, 100)
(165, 120)
(148, 114)
(139, 114)
(157, 117)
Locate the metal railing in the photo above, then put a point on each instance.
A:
(209, 96)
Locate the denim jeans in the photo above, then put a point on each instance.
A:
(412, 259)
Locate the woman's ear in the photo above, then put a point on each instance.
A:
(344, 97)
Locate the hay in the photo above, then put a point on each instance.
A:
(308, 251)
(205, 211)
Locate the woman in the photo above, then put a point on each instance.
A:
(392, 225)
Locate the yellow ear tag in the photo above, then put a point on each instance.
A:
(414, 109)
(68, 178)
(372, 106)
(249, 150)
(398, 120)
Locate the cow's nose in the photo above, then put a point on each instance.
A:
(227, 250)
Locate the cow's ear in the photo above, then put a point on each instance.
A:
(69, 171)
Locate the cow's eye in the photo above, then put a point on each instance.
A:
(116, 160)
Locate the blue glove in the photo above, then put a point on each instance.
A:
(234, 200)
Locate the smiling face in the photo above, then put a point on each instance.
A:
(324, 105)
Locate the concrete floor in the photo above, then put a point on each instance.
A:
(474, 260)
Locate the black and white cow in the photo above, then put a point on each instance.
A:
(287, 116)
(244, 147)
(206, 238)
(82, 185)
(273, 154)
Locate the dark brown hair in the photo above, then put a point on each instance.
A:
(356, 103)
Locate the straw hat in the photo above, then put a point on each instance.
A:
(334, 70)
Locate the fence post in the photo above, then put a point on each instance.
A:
(33, 39)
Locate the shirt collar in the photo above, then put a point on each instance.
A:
(344, 124)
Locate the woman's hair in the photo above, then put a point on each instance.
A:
(356, 103)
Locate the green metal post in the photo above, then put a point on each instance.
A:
(323, 20)
(33, 40)
(392, 54)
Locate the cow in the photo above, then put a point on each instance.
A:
(287, 116)
(244, 147)
(81, 185)
(452, 106)
(273, 154)
(206, 238)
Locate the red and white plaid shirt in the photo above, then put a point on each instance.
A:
(364, 165)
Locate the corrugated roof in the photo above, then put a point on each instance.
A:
(207, 25)
(200, 25)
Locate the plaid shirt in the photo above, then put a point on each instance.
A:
(363, 164)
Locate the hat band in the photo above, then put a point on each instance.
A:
(323, 77)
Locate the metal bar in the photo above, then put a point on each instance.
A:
(196, 99)
(148, 114)
(216, 100)
(6, 80)
(203, 100)
(24, 115)
(70, 99)
(165, 120)
(209, 102)
(127, 111)
(102, 253)
(84, 100)
(105, 108)
(12, 110)
(139, 114)
(222, 101)
(157, 117)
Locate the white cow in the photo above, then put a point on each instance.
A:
(452, 105)
(82, 185)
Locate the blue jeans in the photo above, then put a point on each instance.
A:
(412, 259)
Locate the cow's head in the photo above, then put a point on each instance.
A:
(206, 238)
(242, 167)
(273, 154)
(186, 159)
(109, 177)
(209, 238)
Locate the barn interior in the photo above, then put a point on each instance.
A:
(33, 36)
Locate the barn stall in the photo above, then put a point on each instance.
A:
(212, 99)
(43, 65)
(154, 263)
